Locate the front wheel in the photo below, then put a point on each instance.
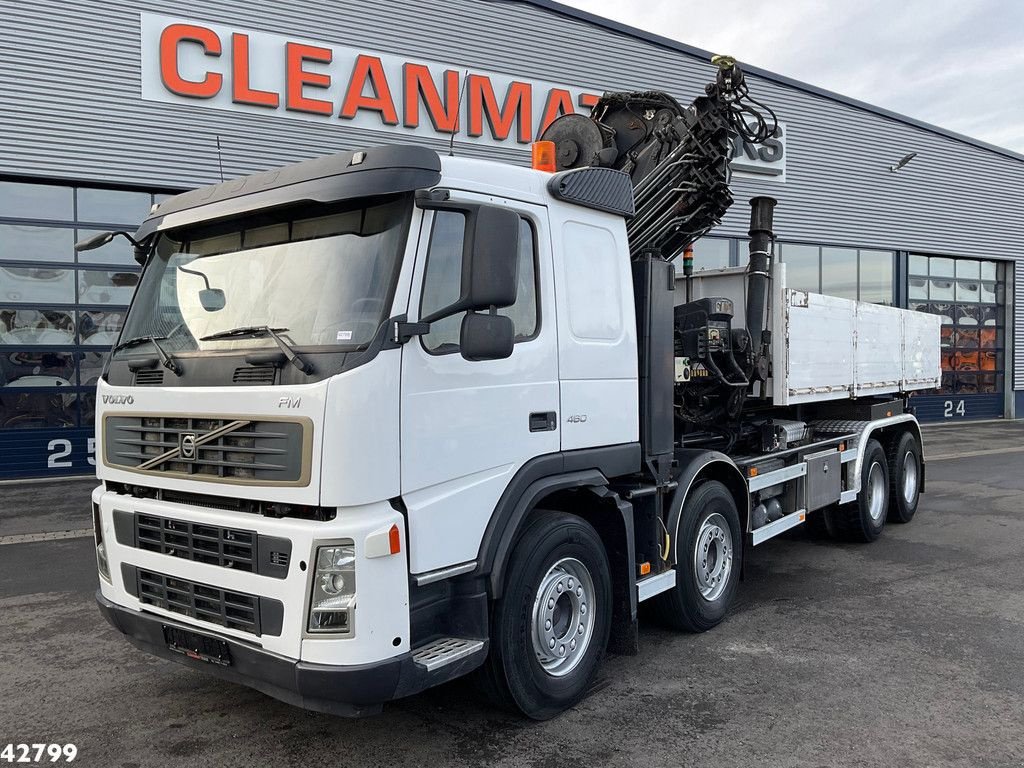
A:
(709, 555)
(550, 629)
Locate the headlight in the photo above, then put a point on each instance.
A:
(101, 561)
(102, 564)
(334, 589)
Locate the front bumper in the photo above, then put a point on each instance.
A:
(349, 691)
(381, 617)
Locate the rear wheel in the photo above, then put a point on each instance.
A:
(709, 554)
(550, 629)
(905, 480)
(863, 519)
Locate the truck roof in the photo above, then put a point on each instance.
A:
(360, 173)
(387, 170)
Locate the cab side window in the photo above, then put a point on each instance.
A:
(442, 282)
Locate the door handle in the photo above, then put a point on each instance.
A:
(543, 421)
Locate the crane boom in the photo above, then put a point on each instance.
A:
(677, 157)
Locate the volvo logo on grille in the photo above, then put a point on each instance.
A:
(187, 445)
(118, 399)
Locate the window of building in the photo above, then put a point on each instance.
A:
(710, 253)
(875, 277)
(29, 242)
(839, 272)
(60, 312)
(850, 273)
(803, 266)
(966, 294)
(443, 276)
(49, 202)
(113, 206)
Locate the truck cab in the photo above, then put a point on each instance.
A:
(296, 500)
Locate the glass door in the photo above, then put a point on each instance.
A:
(968, 294)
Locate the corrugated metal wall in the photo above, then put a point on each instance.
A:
(72, 108)
(70, 85)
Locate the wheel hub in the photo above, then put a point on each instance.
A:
(563, 616)
(909, 477)
(712, 557)
(876, 492)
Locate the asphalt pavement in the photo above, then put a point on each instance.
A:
(906, 652)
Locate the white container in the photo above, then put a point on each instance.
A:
(827, 348)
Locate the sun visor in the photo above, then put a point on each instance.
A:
(375, 171)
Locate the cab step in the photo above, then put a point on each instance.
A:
(445, 650)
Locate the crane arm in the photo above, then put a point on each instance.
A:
(677, 157)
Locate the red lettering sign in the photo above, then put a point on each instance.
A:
(241, 93)
(516, 109)
(419, 83)
(559, 103)
(170, 39)
(369, 70)
(193, 62)
(297, 78)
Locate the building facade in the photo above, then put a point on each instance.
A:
(110, 106)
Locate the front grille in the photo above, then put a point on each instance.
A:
(202, 500)
(232, 503)
(254, 374)
(149, 378)
(238, 450)
(234, 548)
(234, 610)
(210, 544)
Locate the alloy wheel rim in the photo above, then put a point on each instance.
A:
(712, 557)
(563, 616)
(876, 492)
(909, 477)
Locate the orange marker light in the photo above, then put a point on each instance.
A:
(395, 540)
(752, 472)
(645, 568)
(544, 156)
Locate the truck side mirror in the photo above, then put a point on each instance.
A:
(490, 258)
(490, 270)
(212, 299)
(486, 337)
(96, 241)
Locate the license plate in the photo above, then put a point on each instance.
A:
(196, 646)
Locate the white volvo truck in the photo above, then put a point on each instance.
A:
(380, 419)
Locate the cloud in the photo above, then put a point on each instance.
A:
(954, 64)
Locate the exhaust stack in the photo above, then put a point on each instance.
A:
(758, 270)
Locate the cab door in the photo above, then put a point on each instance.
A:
(468, 426)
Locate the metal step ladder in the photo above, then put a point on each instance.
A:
(445, 650)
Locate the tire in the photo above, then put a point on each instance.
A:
(558, 576)
(709, 523)
(862, 520)
(905, 478)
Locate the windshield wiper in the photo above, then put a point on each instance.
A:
(264, 330)
(166, 360)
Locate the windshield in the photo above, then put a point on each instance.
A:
(322, 278)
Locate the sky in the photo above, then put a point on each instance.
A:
(958, 65)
